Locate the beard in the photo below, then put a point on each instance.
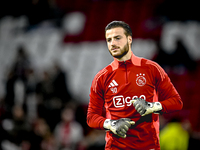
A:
(123, 51)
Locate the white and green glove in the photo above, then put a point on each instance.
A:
(118, 127)
(144, 108)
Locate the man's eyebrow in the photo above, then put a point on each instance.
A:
(114, 37)
(117, 36)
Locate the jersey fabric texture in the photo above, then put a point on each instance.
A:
(116, 85)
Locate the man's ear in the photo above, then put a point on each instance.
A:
(129, 39)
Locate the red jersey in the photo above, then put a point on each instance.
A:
(116, 85)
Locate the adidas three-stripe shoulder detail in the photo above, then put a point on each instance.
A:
(96, 78)
(160, 70)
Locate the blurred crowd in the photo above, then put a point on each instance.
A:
(38, 112)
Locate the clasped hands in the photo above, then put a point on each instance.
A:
(121, 126)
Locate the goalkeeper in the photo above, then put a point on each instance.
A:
(133, 91)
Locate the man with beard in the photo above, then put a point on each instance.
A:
(133, 91)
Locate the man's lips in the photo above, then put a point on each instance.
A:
(114, 49)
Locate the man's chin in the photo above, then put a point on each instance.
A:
(117, 55)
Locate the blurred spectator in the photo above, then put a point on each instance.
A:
(40, 135)
(48, 143)
(18, 71)
(30, 97)
(46, 100)
(95, 140)
(53, 95)
(17, 128)
(21, 63)
(45, 87)
(68, 133)
(9, 87)
(60, 83)
(174, 137)
(2, 117)
(31, 81)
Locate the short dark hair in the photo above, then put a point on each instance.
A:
(115, 24)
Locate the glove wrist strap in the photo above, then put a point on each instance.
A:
(158, 107)
(107, 124)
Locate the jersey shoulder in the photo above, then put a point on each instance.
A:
(100, 76)
(154, 67)
(103, 72)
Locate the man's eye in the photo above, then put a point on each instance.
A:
(108, 40)
(118, 38)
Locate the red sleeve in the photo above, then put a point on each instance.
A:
(95, 108)
(167, 94)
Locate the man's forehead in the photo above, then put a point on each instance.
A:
(114, 31)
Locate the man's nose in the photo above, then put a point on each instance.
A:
(113, 42)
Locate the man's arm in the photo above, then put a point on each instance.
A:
(165, 90)
(94, 113)
(96, 104)
(168, 98)
(97, 121)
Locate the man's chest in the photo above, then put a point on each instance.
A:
(126, 84)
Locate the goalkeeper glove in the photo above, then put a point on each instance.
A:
(118, 127)
(144, 108)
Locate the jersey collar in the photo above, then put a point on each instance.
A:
(134, 60)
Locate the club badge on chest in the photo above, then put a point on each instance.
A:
(140, 80)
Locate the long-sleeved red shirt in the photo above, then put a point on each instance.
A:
(116, 85)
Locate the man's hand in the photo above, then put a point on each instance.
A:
(144, 108)
(119, 127)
